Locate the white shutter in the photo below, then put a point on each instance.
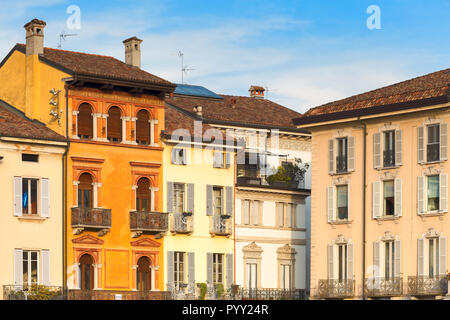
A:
(246, 211)
(376, 259)
(420, 195)
(349, 261)
(420, 257)
(331, 156)
(376, 199)
(280, 212)
(331, 208)
(398, 198)
(443, 192)
(377, 150)
(397, 258)
(18, 267)
(17, 196)
(398, 147)
(442, 256)
(45, 198)
(351, 153)
(444, 141)
(255, 213)
(45, 256)
(420, 145)
(330, 262)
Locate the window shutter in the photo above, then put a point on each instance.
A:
(170, 208)
(143, 127)
(376, 199)
(17, 196)
(350, 261)
(191, 269)
(230, 275)
(228, 159)
(330, 262)
(174, 156)
(280, 212)
(190, 197)
(230, 201)
(376, 259)
(442, 256)
(330, 204)
(377, 150)
(398, 147)
(443, 192)
(209, 204)
(420, 195)
(184, 156)
(114, 123)
(331, 156)
(170, 267)
(420, 257)
(18, 267)
(85, 121)
(444, 141)
(420, 145)
(398, 197)
(351, 153)
(397, 258)
(209, 265)
(45, 255)
(246, 211)
(218, 159)
(45, 198)
(255, 213)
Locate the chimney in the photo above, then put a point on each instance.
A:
(133, 52)
(198, 110)
(35, 37)
(257, 92)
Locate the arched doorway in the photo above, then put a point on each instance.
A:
(144, 275)
(85, 121)
(143, 195)
(87, 272)
(85, 191)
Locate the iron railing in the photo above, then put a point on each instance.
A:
(182, 223)
(220, 226)
(33, 292)
(336, 289)
(270, 294)
(382, 287)
(97, 218)
(388, 158)
(427, 286)
(145, 221)
(118, 295)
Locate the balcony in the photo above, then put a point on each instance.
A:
(34, 292)
(220, 226)
(182, 223)
(91, 218)
(341, 164)
(336, 289)
(382, 287)
(388, 158)
(148, 222)
(118, 295)
(269, 294)
(427, 286)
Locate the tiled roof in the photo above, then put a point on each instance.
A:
(13, 123)
(429, 86)
(100, 66)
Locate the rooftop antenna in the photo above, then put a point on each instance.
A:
(269, 90)
(184, 68)
(63, 36)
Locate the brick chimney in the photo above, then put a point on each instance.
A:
(35, 37)
(257, 92)
(133, 52)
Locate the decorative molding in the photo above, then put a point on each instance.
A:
(432, 233)
(340, 240)
(145, 242)
(88, 239)
(145, 164)
(252, 251)
(88, 160)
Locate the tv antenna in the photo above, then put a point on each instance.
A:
(269, 90)
(63, 36)
(184, 68)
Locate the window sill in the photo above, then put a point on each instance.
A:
(432, 214)
(32, 218)
(389, 168)
(340, 222)
(341, 173)
(432, 162)
(387, 218)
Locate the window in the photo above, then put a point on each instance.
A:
(341, 159)
(342, 262)
(178, 268)
(221, 160)
(217, 268)
(29, 196)
(433, 193)
(342, 202)
(246, 211)
(388, 198)
(252, 275)
(218, 201)
(30, 262)
(178, 200)
(143, 128)
(280, 214)
(389, 256)
(114, 124)
(286, 276)
(250, 212)
(389, 149)
(85, 121)
(30, 157)
(85, 191)
(178, 156)
(87, 272)
(143, 274)
(433, 257)
(433, 144)
(143, 195)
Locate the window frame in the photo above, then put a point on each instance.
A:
(337, 202)
(436, 144)
(29, 268)
(179, 268)
(428, 193)
(177, 189)
(389, 139)
(30, 196)
(218, 264)
(342, 155)
(222, 203)
(384, 213)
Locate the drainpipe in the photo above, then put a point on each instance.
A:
(364, 208)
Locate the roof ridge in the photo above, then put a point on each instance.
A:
(77, 52)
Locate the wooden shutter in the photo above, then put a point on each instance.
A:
(420, 195)
(230, 201)
(17, 196)
(398, 197)
(209, 200)
(114, 122)
(18, 267)
(170, 202)
(442, 256)
(420, 145)
(376, 199)
(330, 262)
(45, 256)
(85, 121)
(170, 267)
(443, 192)
(331, 156)
(45, 198)
(228, 159)
(209, 267)
(255, 213)
(230, 274)
(190, 197)
(376, 259)
(351, 153)
(444, 141)
(377, 150)
(397, 258)
(350, 261)
(331, 208)
(398, 147)
(191, 268)
(420, 257)
(143, 127)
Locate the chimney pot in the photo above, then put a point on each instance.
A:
(133, 52)
(35, 37)
(257, 92)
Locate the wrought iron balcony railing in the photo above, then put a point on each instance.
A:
(33, 292)
(388, 158)
(382, 287)
(270, 294)
(90, 218)
(427, 286)
(341, 164)
(150, 222)
(336, 289)
(118, 295)
(221, 226)
(182, 223)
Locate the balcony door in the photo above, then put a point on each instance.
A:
(143, 275)
(87, 272)
(85, 191)
(143, 195)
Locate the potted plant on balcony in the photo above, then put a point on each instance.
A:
(288, 175)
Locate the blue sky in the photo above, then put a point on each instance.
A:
(307, 52)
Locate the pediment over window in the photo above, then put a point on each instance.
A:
(145, 242)
(87, 239)
(432, 233)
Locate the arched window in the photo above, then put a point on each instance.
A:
(87, 272)
(143, 128)
(85, 191)
(143, 276)
(114, 124)
(143, 195)
(85, 121)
